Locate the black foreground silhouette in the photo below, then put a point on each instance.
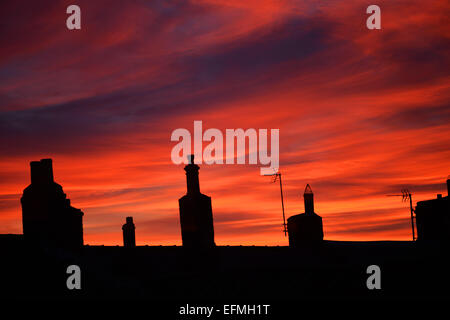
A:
(34, 264)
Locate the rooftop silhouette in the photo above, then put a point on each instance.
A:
(49, 219)
(53, 228)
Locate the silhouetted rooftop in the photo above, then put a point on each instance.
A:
(333, 270)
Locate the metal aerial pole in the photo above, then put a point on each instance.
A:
(406, 195)
(276, 176)
(412, 215)
(282, 205)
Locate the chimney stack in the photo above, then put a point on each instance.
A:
(196, 219)
(129, 236)
(193, 185)
(305, 229)
(47, 216)
(309, 200)
(47, 170)
(41, 171)
(36, 172)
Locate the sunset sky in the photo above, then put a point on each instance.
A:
(362, 113)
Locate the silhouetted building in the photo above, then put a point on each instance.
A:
(47, 216)
(129, 238)
(305, 228)
(433, 218)
(196, 217)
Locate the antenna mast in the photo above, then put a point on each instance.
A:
(406, 195)
(277, 176)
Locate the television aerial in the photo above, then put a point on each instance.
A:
(277, 176)
(406, 195)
